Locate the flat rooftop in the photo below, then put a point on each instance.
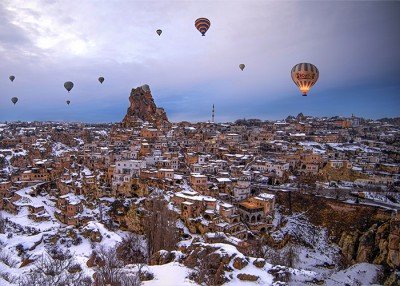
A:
(250, 205)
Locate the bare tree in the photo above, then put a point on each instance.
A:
(2, 223)
(159, 226)
(291, 255)
(55, 268)
(110, 267)
(131, 250)
(129, 280)
(288, 257)
(7, 258)
(110, 270)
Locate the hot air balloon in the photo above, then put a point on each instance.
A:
(14, 100)
(159, 32)
(305, 75)
(202, 24)
(242, 66)
(101, 79)
(12, 78)
(146, 88)
(68, 85)
(68, 102)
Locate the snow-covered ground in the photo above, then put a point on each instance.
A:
(169, 274)
(358, 274)
(316, 257)
(34, 236)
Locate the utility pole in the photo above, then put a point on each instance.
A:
(213, 114)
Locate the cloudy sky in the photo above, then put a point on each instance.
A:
(44, 43)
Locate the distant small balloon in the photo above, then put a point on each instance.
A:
(68, 85)
(101, 79)
(242, 66)
(14, 100)
(159, 32)
(12, 78)
(68, 102)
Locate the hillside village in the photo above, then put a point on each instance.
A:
(228, 186)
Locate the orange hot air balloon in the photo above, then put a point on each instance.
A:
(305, 75)
(202, 24)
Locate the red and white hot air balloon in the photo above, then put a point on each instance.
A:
(305, 75)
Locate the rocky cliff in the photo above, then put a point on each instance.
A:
(363, 233)
(143, 108)
(379, 244)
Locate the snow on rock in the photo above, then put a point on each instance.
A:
(58, 149)
(358, 274)
(109, 238)
(101, 133)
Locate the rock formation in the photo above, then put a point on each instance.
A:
(142, 108)
(363, 233)
(378, 245)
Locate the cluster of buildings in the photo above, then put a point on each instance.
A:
(219, 177)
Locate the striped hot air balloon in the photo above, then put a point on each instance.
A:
(202, 24)
(305, 75)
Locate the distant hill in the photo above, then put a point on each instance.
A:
(394, 121)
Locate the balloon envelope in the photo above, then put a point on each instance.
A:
(101, 79)
(159, 32)
(12, 78)
(304, 75)
(241, 66)
(68, 85)
(14, 100)
(202, 24)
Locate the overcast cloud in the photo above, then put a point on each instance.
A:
(355, 45)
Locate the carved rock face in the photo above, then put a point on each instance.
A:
(142, 107)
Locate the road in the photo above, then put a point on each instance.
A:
(343, 195)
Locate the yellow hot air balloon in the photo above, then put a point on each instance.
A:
(305, 75)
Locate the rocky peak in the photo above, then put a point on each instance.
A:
(143, 108)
